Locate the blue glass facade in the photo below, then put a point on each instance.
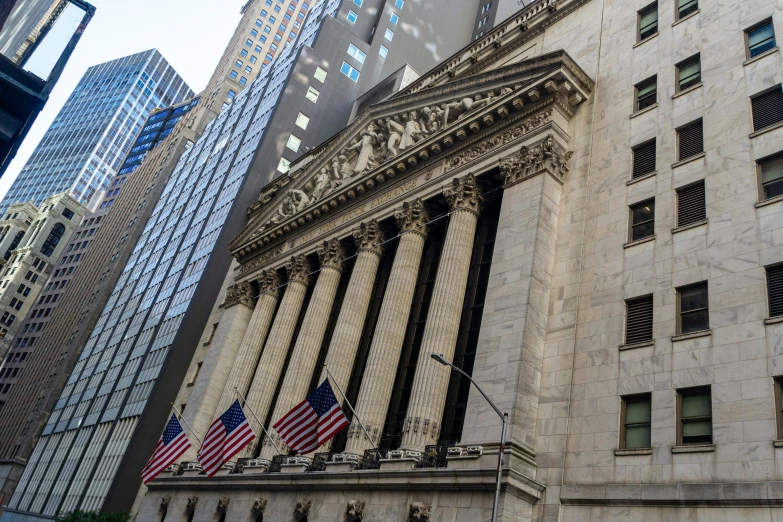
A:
(85, 145)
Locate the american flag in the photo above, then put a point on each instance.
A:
(313, 421)
(171, 445)
(228, 434)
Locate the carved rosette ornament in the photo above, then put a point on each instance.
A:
(223, 503)
(298, 269)
(369, 237)
(239, 293)
(355, 510)
(259, 505)
(464, 194)
(192, 501)
(268, 283)
(331, 254)
(419, 511)
(412, 217)
(545, 156)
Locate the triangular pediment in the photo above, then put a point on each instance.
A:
(397, 135)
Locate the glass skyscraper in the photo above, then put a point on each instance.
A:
(85, 145)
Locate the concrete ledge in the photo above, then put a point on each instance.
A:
(640, 178)
(689, 89)
(688, 160)
(774, 320)
(695, 448)
(759, 57)
(645, 344)
(624, 452)
(687, 17)
(688, 227)
(692, 335)
(716, 494)
(770, 201)
(639, 241)
(759, 132)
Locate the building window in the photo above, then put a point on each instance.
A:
(483, 21)
(399, 3)
(688, 73)
(686, 7)
(284, 165)
(760, 38)
(643, 220)
(690, 140)
(231, 94)
(395, 18)
(248, 69)
(767, 108)
(352, 17)
(389, 34)
(639, 320)
(771, 176)
(383, 52)
(691, 204)
(486, 7)
(242, 81)
(233, 75)
(350, 72)
(243, 53)
(354, 52)
(293, 143)
(646, 93)
(358, 2)
(302, 121)
(254, 33)
(643, 159)
(693, 313)
(637, 421)
(312, 94)
(694, 409)
(249, 43)
(58, 229)
(775, 290)
(779, 405)
(67, 213)
(648, 22)
(320, 75)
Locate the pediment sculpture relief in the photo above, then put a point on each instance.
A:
(380, 141)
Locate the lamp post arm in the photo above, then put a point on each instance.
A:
(497, 410)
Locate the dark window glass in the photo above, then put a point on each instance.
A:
(761, 38)
(771, 172)
(691, 204)
(643, 220)
(648, 21)
(694, 309)
(767, 108)
(689, 73)
(690, 140)
(775, 290)
(637, 411)
(646, 93)
(68, 213)
(686, 7)
(695, 416)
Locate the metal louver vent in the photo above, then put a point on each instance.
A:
(643, 160)
(691, 140)
(639, 320)
(775, 290)
(691, 207)
(768, 108)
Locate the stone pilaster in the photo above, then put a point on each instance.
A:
(255, 337)
(431, 381)
(305, 354)
(378, 380)
(205, 396)
(270, 365)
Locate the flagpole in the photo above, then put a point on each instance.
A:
(329, 374)
(179, 414)
(258, 421)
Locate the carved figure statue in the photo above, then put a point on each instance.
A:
(346, 169)
(366, 149)
(463, 107)
(411, 132)
(395, 135)
(326, 181)
(419, 511)
(299, 199)
(430, 119)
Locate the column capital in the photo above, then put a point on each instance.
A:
(298, 269)
(268, 283)
(464, 194)
(239, 293)
(369, 237)
(546, 155)
(331, 254)
(412, 217)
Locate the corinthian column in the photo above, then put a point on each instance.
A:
(255, 336)
(270, 366)
(378, 381)
(305, 354)
(430, 384)
(237, 311)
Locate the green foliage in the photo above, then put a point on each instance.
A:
(93, 516)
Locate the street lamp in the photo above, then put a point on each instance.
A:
(503, 416)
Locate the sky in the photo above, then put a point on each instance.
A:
(190, 34)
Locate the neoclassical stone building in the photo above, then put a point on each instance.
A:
(582, 210)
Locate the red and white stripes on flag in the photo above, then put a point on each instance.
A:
(313, 421)
(172, 444)
(227, 435)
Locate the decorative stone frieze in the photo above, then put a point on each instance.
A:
(369, 237)
(239, 293)
(464, 194)
(298, 269)
(223, 503)
(419, 511)
(545, 156)
(259, 505)
(331, 254)
(355, 510)
(268, 283)
(260, 261)
(412, 217)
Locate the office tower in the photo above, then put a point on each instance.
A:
(589, 227)
(146, 329)
(89, 138)
(29, 258)
(37, 38)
